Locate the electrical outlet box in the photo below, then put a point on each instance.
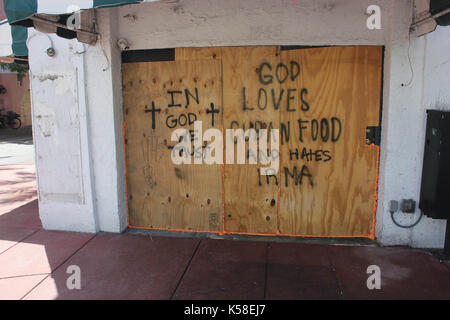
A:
(393, 206)
(408, 206)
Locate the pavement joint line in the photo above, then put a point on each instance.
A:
(336, 279)
(185, 269)
(14, 227)
(25, 275)
(57, 267)
(74, 253)
(22, 240)
(37, 284)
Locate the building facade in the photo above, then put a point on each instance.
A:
(80, 98)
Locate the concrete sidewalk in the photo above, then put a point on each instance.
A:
(34, 262)
(16, 146)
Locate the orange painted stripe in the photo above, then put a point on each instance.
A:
(223, 175)
(223, 144)
(125, 165)
(300, 235)
(175, 229)
(279, 183)
(375, 194)
(255, 233)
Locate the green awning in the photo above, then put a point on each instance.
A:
(14, 29)
(20, 10)
(13, 40)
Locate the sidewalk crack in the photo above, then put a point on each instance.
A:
(336, 279)
(185, 270)
(58, 266)
(20, 241)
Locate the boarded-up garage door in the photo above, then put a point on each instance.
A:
(321, 100)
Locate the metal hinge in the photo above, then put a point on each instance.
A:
(373, 135)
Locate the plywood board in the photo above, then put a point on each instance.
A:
(250, 199)
(328, 171)
(162, 194)
(321, 100)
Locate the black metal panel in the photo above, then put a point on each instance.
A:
(151, 55)
(437, 6)
(296, 47)
(435, 189)
(373, 135)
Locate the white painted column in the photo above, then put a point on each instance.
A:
(77, 124)
(403, 132)
(104, 95)
(61, 134)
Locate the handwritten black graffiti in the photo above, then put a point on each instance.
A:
(281, 71)
(277, 97)
(310, 155)
(187, 94)
(181, 120)
(212, 111)
(152, 110)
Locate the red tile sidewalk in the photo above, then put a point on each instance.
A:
(17, 186)
(33, 263)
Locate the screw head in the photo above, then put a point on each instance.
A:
(51, 52)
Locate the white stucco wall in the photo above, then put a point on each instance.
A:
(103, 91)
(436, 96)
(404, 125)
(61, 134)
(78, 134)
(197, 23)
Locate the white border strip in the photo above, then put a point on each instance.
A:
(63, 6)
(5, 40)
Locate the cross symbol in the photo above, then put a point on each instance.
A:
(152, 110)
(212, 111)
